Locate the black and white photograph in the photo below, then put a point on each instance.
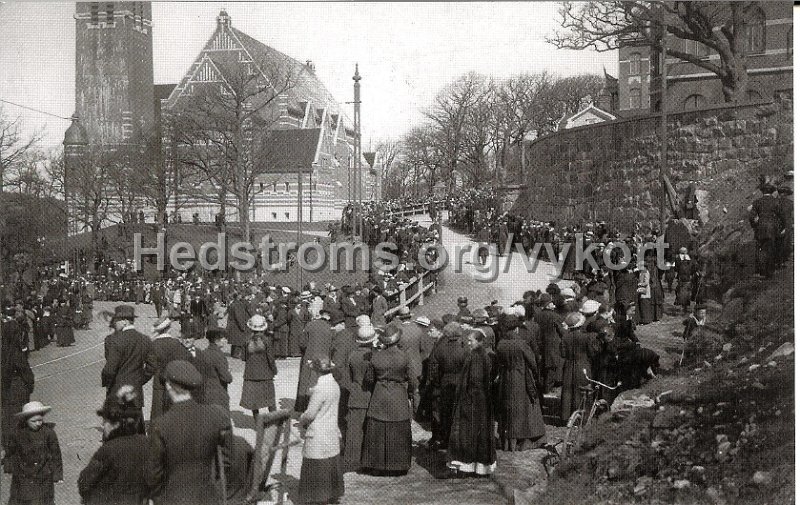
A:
(397, 253)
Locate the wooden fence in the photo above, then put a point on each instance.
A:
(412, 293)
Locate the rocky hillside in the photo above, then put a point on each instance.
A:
(721, 426)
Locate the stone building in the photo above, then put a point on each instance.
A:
(768, 44)
(310, 137)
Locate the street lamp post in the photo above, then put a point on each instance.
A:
(299, 225)
(357, 150)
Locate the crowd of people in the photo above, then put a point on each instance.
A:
(476, 378)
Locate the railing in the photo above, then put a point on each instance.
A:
(426, 281)
(419, 208)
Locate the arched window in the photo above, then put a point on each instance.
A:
(636, 98)
(694, 102)
(635, 62)
(754, 32)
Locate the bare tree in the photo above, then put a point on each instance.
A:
(449, 116)
(726, 28)
(221, 129)
(14, 148)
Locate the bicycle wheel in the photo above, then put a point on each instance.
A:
(574, 426)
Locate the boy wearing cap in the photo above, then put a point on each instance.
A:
(180, 466)
(33, 458)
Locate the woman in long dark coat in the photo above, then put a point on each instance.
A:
(17, 380)
(65, 334)
(358, 398)
(218, 373)
(471, 448)
(386, 448)
(519, 412)
(578, 349)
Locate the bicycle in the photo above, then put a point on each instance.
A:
(577, 422)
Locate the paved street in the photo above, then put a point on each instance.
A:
(69, 380)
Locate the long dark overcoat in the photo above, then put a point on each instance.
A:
(126, 352)
(472, 432)
(315, 343)
(577, 348)
(116, 474)
(236, 329)
(519, 412)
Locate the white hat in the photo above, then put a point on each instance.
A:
(257, 323)
(366, 334)
(363, 320)
(305, 294)
(422, 320)
(286, 289)
(34, 408)
(568, 293)
(590, 307)
(519, 311)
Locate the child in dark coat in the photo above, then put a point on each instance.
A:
(33, 458)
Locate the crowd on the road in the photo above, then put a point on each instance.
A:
(476, 378)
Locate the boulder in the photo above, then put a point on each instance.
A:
(786, 349)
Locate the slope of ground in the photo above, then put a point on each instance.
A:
(722, 429)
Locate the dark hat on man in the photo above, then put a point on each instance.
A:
(767, 188)
(123, 312)
(785, 190)
(183, 373)
(462, 300)
(348, 290)
(389, 335)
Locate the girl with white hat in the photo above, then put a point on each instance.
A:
(33, 458)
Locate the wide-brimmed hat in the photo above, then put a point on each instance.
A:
(574, 320)
(257, 323)
(33, 408)
(452, 329)
(162, 325)
(405, 313)
(366, 335)
(423, 321)
(362, 320)
(568, 293)
(389, 335)
(589, 307)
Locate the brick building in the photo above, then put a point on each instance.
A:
(116, 102)
(768, 43)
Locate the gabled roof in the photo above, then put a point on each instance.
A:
(229, 47)
(590, 109)
(286, 151)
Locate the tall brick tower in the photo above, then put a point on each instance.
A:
(114, 70)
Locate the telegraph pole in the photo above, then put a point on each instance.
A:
(357, 231)
(662, 169)
(299, 225)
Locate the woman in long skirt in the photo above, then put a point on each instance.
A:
(258, 388)
(645, 311)
(358, 400)
(321, 478)
(471, 448)
(386, 448)
(64, 331)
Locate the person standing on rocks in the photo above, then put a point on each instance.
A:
(767, 221)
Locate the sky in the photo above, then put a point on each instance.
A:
(407, 52)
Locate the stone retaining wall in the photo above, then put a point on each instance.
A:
(609, 171)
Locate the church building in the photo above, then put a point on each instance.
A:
(240, 104)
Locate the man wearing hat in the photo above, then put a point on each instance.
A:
(164, 349)
(464, 315)
(315, 342)
(480, 318)
(766, 218)
(299, 316)
(126, 352)
(181, 467)
(236, 329)
(350, 307)
(280, 328)
(550, 330)
(17, 380)
(333, 304)
(578, 348)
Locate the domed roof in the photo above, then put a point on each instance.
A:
(76, 133)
